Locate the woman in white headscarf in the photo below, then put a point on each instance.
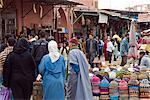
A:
(52, 69)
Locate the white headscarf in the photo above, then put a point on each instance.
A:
(53, 51)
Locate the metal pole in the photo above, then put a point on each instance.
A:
(1, 27)
(22, 14)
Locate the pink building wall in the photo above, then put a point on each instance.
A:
(32, 18)
(91, 4)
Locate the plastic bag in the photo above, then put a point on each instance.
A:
(5, 94)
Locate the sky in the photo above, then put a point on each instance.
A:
(120, 4)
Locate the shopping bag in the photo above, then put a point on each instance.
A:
(5, 94)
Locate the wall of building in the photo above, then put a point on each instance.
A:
(32, 18)
(143, 7)
(91, 4)
(25, 15)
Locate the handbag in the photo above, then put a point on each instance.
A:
(5, 94)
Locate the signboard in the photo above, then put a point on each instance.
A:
(103, 18)
(144, 17)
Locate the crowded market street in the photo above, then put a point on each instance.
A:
(74, 50)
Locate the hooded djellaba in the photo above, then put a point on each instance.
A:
(79, 86)
(52, 69)
(18, 72)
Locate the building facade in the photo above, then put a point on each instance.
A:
(18, 15)
(90, 4)
(140, 8)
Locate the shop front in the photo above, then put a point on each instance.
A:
(26, 16)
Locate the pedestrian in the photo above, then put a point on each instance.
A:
(110, 49)
(18, 71)
(91, 49)
(79, 86)
(83, 45)
(124, 48)
(100, 47)
(4, 45)
(32, 40)
(64, 50)
(40, 49)
(105, 50)
(3, 55)
(144, 60)
(115, 43)
(52, 69)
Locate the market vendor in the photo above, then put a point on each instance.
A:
(144, 59)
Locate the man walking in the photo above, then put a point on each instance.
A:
(124, 48)
(79, 86)
(110, 49)
(40, 49)
(91, 49)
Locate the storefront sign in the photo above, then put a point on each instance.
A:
(103, 18)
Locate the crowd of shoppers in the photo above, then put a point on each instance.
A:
(22, 60)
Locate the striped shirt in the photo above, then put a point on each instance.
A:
(3, 56)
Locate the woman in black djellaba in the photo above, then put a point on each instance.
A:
(18, 72)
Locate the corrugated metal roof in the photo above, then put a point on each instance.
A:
(108, 13)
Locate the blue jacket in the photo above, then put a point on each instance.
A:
(95, 46)
(124, 47)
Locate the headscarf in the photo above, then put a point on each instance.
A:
(53, 51)
(75, 44)
(21, 46)
(74, 41)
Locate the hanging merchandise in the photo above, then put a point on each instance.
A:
(41, 11)
(74, 14)
(34, 8)
(71, 15)
(88, 21)
(83, 20)
(132, 42)
(1, 4)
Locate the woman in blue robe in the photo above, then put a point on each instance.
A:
(79, 86)
(52, 69)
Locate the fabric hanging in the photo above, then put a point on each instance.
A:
(41, 11)
(34, 8)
